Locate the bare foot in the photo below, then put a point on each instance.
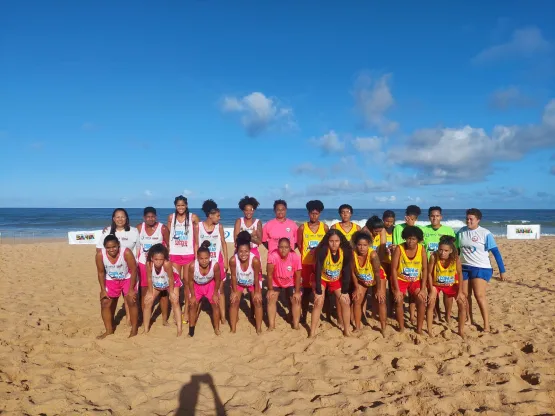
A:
(271, 328)
(217, 332)
(259, 331)
(431, 333)
(462, 335)
(179, 332)
(133, 333)
(413, 321)
(384, 332)
(223, 321)
(128, 322)
(346, 334)
(296, 327)
(419, 332)
(104, 335)
(165, 323)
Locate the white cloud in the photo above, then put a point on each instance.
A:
(452, 155)
(524, 43)
(509, 97)
(367, 144)
(385, 199)
(258, 112)
(148, 193)
(373, 99)
(187, 192)
(415, 199)
(329, 142)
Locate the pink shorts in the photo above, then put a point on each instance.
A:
(142, 275)
(182, 259)
(114, 288)
(411, 287)
(449, 291)
(249, 288)
(283, 283)
(205, 291)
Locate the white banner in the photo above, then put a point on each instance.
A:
(523, 232)
(84, 237)
(228, 235)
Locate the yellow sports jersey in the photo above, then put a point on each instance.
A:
(331, 271)
(410, 270)
(376, 242)
(348, 235)
(310, 242)
(445, 276)
(388, 243)
(365, 272)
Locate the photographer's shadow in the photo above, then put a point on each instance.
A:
(189, 394)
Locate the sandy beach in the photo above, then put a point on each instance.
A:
(52, 363)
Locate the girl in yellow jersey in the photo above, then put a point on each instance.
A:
(309, 236)
(346, 227)
(334, 255)
(367, 273)
(444, 273)
(409, 270)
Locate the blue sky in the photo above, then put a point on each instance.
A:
(378, 104)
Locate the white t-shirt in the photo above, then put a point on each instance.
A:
(127, 239)
(475, 246)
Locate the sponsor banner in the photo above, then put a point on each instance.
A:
(523, 232)
(228, 235)
(84, 237)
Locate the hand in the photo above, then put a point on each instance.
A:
(257, 298)
(226, 266)
(345, 298)
(215, 298)
(103, 294)
(193, 302)
(398, 295)
(461, 298)
(380, 296)
(173, 296)
(356, 295)
(233, 297)
(271, 293)
(318, 299)
(131, 295)
(423, 295)
(296, 298)
(502, 276)
(149, 295)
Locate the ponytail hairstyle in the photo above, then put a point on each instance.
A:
(449, 241)
(204, 247)
(210, 207)
(243, 238)
(113, 226)
(157, 249)
(175, 201)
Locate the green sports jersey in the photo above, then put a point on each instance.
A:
(431, 237)
(397, 231)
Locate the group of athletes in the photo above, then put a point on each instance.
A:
(187, 260)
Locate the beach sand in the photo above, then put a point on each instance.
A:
(51, 362)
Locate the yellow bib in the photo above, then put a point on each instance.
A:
(376, 242)
(331, 271)
(387, 257)
(445, 276)
(410, 270)
(348, 235)
(310, 242)
(364, 272)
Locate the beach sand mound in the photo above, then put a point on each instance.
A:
(52, 364)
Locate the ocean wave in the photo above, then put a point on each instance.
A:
(454, 224)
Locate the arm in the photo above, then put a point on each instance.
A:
(295, 244)
(101, 273)
(326, 228)
(195, 233)
(217, 282)
(430, 274)
(138, 246)
(150, 289)
(191, 283)
(265, 236)
(423, 277)
(224, 247)
(256, 236)
(491, 246)
(132, 266)
(233, 271)
(169, 224)
(394, 277)
(460, 294)
(381, 248)
(257, 267)
(300, 240)
(169, 271)
(375, 261)
(236, 229)
(270, 276)
(166, 235)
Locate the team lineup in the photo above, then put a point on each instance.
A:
(335, 267)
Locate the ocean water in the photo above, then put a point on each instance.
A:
(56, 222)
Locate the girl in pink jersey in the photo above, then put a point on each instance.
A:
(117, 275)
(161, 277)
(284, 273)
(204, 282)
(212, 231)
(183, 246)
(245, 269)
(249, 205)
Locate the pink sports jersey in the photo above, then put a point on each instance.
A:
(284, 269)
(273, 230)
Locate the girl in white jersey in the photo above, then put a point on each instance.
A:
(117, 275)
(204, 283)
(161, 277)
(151, 232)
(249, 205)
(128, 238)
(245, 268)
(183, 246)
(212, 231)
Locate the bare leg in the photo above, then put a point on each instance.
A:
(133, 316)
(412, 310)
(272, 309)
(216, 317)
(462, 317)
(478, 286)
(430, 312)
(344, 311)
(127, 313)
(258, 312)
(327, 301)
(399, 314)
(295, 311)
(315, 316)
(364, 305)
(305, 301)
(358, 306)
(177, 311)
(448, 303)
(106, 307)
(221, 314)
(382, 310)
(234, 311)
(437, 310)
(468, 294)
(193, 315)
(165, 307)
(421, 312)
(147, 311)
(340, 321)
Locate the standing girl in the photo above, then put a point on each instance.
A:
(367, 273)
(204, 283)
(444, 273)
(245, 268)
(212, 231)
(183, 246)
(408, 274)
(161, 277)
(334, 255)
(117, 275)
(346, 227)
(249, 205)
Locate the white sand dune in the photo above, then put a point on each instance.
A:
(51, 362)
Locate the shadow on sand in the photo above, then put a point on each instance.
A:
(189, 395)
